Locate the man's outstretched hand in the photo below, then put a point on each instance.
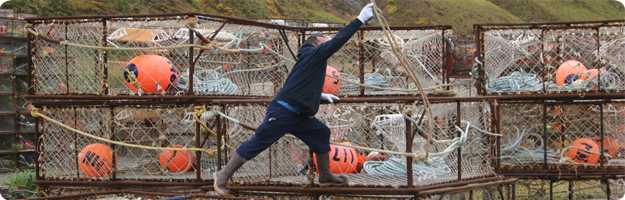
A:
(366, 13)
(329, 97)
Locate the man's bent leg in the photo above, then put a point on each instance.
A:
(317, 136)
(275, 125)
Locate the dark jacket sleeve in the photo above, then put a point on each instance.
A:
(330, 47)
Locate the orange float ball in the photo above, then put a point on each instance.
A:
(570, 71)
(611, 146)
(343, 160)
(176, 161)
(331, 83)
(150, 73)
(584, 150)
(96, 160)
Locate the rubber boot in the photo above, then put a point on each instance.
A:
(221, 177)
(326, 178)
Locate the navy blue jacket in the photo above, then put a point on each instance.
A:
(302, 89)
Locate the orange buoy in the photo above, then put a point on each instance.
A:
(570, 71)
(360, 161)
(611, 146)
(150, 73)
(331, 83)
(96, 160)
(584, 150)
(176, 161)
(343, 160)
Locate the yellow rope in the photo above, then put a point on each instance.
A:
(35, 113)
(404, 63)
(417, 156)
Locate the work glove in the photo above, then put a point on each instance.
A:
(366, 13)
(329, 97)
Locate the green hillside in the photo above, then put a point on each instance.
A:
(461, 14)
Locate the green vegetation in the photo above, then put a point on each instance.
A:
(461, 14)
(22, 184)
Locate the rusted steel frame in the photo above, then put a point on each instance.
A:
(459, 124)
(191, 61)
(571, 190)
(105, 66)
(551, 189)
(75, 142)
(479, 56)
(497, 123)
(220, 100)
(492, 26)
(409, 139)
(122, 183)
(542, 61)
(113, 146)
(369, 190)
(602, 158)
(361, 61)
(560, 175)
(67, 86)
(607, 187)
(38, 149)
(198, 144)
(30, 51)
(220, 133)
(469, 187)
(229, 19)
(445, 67)
(545, 136)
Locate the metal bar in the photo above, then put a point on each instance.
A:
(479, 54)
(77, 162)
(570, 97)
(542, 52)
(571, 190)
(105, 67)
(198, 154)
(191, 62)
(220, 132)
(498, 139)
(113, 146)
(67, 86)
(408, 133)
(459, 124)
(31, 69)
(361, 61)
(550, 189)
(39, 149)
(602, 158)
(545, 137)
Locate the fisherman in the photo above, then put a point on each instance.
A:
(294, 107)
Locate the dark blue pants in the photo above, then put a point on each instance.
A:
(279, 121)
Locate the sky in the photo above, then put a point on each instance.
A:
(622, 1)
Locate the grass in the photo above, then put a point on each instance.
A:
(21, 184)
(459, 14)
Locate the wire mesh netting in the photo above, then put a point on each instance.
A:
(376, 126)
(573, 135)
(115, 57)
(158, 126)
(552, 58)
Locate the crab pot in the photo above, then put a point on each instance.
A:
(544, 58)
(108, 56)
(559, 139)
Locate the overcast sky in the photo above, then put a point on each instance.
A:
(622, 1)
